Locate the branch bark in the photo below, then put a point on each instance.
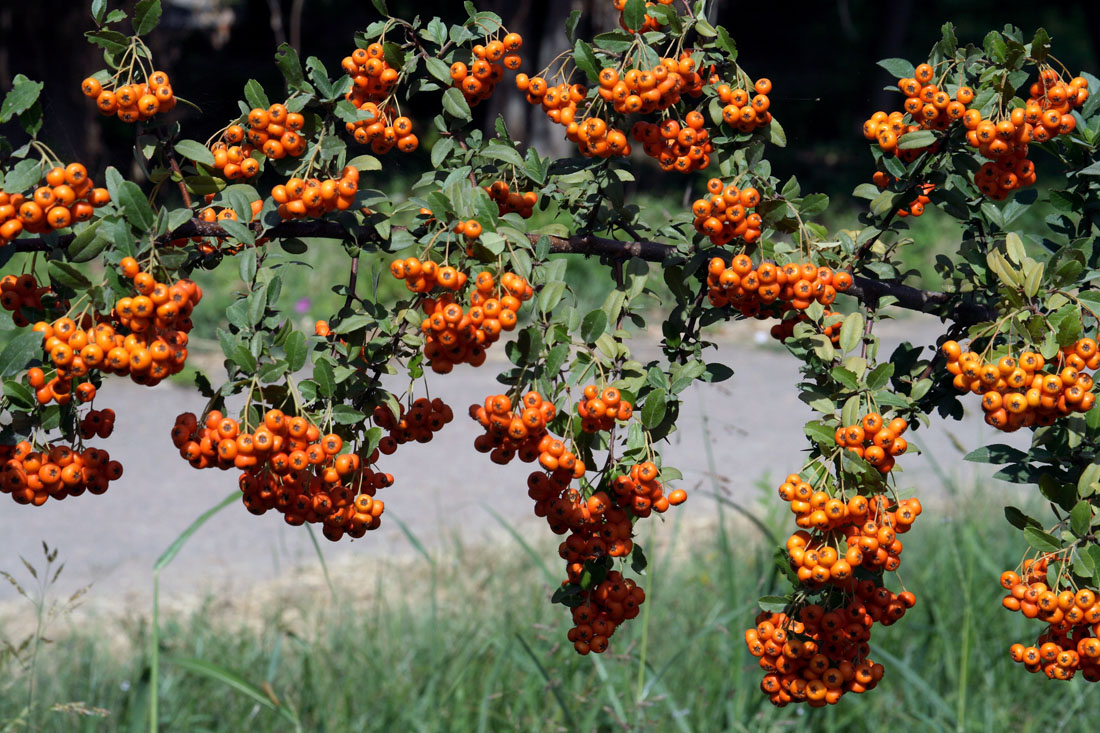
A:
(945, 305)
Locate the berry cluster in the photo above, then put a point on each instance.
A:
(510, 433)
(420, 422)
(743, 110)
(651, 23)
(132, 102)
(614, 600)
(56, 472)
(62, 386)
(752, 289)
(275, 131)
(875, 441)
(831, 323)
(234, 160)
(1021, 392)
(823, 655)
(312, 198)
(726, 213)
(288, 466)
(455, 335)
(641, 492)
(594, 137)
(66, 197)
(512, 202)
(681, 147)
(17, 293)
(1070, 641)
(644, 91)
(97, 424)
(868, 527)
(479, 78)
(599, 410)
(423, 276)
(373, 82)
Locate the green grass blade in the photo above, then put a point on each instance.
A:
(917, 681)
(549, 683)
(413, 539)
(550, 577)
(232, 680)
(321, 557)
(173, 549)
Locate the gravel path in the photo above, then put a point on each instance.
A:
(443, 490)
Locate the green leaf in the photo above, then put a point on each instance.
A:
(380, 6)
(22, 176)
(110, 41)
(231, 680)
(439, 70)
(99, 10)
(146, 16)
(586, 61)
(238, 231)
(196, 151)
(286, 58)
(365, 163)
(67, 275)
(1041, 541)
(900, 68)
(1019, 520)
(455, 104)
(1080, 518)
(296, 350)
(347, 415)
(593, 325)
(916, 139)
(19, 394)
(997, 453)
(24, 93)
(550, 295)
(135, 206)
(880, 376)
(19, 352)
(254, 94)
(634, 14)
(496, 150)
(851, 332)
(653, 411)
(995, 47)
(86, 245)
(323, 375)
(638, 562)
(773, 604)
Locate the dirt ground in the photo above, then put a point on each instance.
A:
(444, 490)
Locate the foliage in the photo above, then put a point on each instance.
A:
(317, 423)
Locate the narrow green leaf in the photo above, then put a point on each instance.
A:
(196, 151)
(146, 16)
(19, 352)
(654, 409)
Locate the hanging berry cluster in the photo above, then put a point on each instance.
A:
(17, 293)
(312, 198)
(131, 102)
(455, 335)
(1027, 391)
(479, 78)
(1070, 643)
(420, 422)
(67, 196)
(767, 290)
(684, 148)
(512, 202)
(234, 160)
(743, 110)
(287, 465)
(726, 213)
(57, 471)
(373, 85)
(875, 441)
(599, 411)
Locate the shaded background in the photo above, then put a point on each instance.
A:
(821, 57)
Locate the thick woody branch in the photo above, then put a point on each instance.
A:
(864, 289)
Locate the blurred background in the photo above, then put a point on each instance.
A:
(440, 620)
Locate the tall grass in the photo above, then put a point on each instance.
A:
(466, 640)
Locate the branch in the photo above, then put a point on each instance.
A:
(944, 305)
